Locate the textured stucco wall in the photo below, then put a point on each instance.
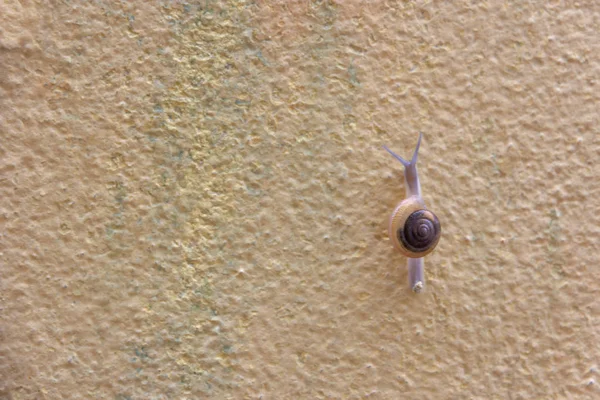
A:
(194, 197)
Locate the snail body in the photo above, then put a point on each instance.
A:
(413, 229)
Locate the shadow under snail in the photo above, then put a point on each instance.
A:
(413, 229)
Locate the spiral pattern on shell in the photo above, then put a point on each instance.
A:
(419, 236)
(421, 231)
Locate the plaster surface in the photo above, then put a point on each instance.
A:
(194, 198)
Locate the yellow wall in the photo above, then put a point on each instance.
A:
(194, 197)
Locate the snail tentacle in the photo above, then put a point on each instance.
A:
(411, 177)
(397, 157)
(413, 160)
(416, 153)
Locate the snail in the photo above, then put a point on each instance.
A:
(414, 230)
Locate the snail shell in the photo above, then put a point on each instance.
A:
(413, 229)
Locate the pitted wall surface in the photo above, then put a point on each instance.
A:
(194, 199)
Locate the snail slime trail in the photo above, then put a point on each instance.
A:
(413, 229)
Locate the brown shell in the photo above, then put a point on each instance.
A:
(421, 222)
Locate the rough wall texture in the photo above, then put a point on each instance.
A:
(193, 199)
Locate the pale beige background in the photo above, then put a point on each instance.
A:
(193, 199)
